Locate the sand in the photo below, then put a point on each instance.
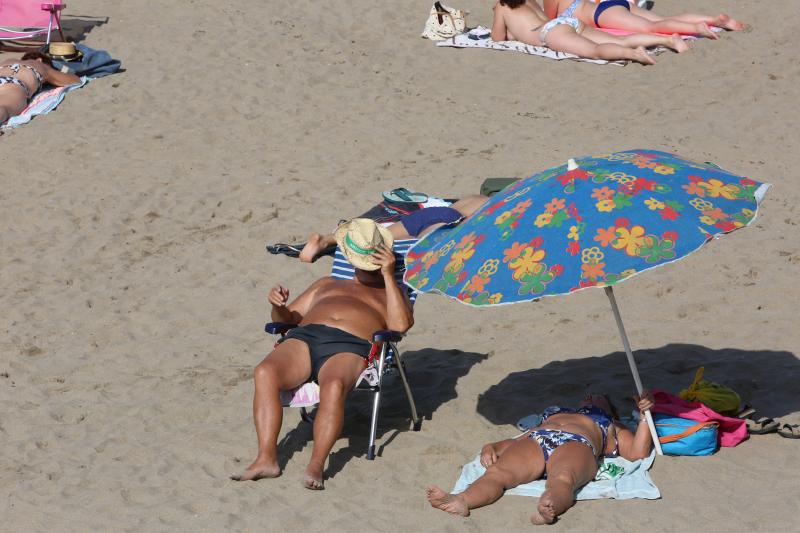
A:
(132, 260)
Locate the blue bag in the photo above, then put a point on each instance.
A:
(680, 436)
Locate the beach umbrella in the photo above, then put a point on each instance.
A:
(593, 222)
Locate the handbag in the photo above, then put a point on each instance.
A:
(681, 436)
(444, 22)
(718, 397)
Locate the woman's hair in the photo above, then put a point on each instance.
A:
(34, 56)
(513, 4)
(614, 412)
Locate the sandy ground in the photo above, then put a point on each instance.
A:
(133, 222)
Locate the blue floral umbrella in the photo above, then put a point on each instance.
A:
(591, 223)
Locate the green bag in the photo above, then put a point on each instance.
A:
(720, 398)
(492, 186)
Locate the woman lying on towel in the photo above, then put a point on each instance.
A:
(415, 224)
(21, 78)
(564, 448)
(625, 15)
(524, 20)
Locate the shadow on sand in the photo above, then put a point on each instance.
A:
(432, 374)
(765, 379)
(76, 27)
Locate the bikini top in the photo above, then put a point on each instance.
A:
(598, 416)
(14, 67)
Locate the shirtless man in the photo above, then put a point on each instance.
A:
(336, 320)
(524, 20)
(623, 15)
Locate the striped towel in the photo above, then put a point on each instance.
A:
(42, 103)
(342, 269)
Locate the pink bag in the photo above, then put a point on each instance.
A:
(732, 431)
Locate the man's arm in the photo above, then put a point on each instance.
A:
(399, 313)
(498, 24)
(295, 311)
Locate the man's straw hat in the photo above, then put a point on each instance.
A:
(359, 239)
(63, 51)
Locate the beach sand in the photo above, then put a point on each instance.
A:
(134, 276)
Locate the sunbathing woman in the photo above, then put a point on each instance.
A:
(625, 15)
(564, 448)
(524, 20)
(415, 224)
(21, 78)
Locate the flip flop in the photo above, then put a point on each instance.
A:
(761, 426)
(290, 250)
(403, 196)
(746, 411)
(789, 431)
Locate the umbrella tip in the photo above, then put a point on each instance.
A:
(571, 164)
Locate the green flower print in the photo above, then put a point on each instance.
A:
(654, 249)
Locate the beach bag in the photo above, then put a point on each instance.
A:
(444, 22)
(681, 436)
(720, 398)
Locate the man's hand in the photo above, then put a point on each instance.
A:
(645, 402)
(278, 296)
(384, 257)
(488, 455)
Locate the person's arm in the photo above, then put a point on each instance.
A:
(498, 24)
(399, 314)
(294, 312)
(634, 446)
(58, 78)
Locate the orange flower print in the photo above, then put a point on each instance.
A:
(467, 239)
(543, 220)
(522, 206)
(606, 236)
(695, 188)
(604, 206)
(460, 257)
(716, 213)
(556, 204)
(509, 254)
(629, 240)
(593, 271)
(715, 188)
(476, 284)
(604, 193)
(429, 259)
(527, 263)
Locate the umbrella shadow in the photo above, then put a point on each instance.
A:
(432, 375)
(76, 27)
(766, 379)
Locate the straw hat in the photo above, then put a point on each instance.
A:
(359, 238)
(63, 51)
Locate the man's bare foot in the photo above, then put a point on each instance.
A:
(313, 478)
(451, 503)
(704, 30)
(259, 470)
(641, 55)
(678, 44)
(546, 512)
(312, 248)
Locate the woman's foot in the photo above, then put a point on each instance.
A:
(641, 55)
(312, 479)
(312, 248)
(546, 512)
(703, 30)
(678, 44)
(724, 21)
(259, 470)
(451, 503)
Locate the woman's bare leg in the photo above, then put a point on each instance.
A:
(469, 204)
(675, 42)
(563, 38)
(571, 466)
(13, 101)
(620, 18)
(287, 367)
(722, 20)
(522, 462)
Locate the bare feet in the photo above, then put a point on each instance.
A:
(546, 512)
(641, 55)
(312, 248)
(704, 30)
(451, 503)
(724, 21)
(678, 44)
(312, 479)
(259, 470)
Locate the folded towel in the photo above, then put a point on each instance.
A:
(42, 103)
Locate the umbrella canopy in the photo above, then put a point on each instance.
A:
(593, 225)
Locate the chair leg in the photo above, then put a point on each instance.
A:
(414, 416)
(376, 401)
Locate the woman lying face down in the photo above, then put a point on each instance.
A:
(565, 449)
(21, 78)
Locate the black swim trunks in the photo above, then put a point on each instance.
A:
(324, 342)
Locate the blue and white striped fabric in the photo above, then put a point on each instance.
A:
(342, 269)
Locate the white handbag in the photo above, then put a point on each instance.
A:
(444, 22)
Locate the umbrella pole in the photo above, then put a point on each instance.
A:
(632, 364)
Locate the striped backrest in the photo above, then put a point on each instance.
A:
(342, 269)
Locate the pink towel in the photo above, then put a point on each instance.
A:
(732, 431)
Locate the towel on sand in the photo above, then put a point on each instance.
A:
(42, 103)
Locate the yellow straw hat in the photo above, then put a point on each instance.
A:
(359, 238)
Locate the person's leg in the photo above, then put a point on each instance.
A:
(571, 466)
(522, 462)
(469, 204)
(13, 101)
(563, 38)
(620, 18)
(337, 377)
(287, 367)
(317, 243)
(639, 40)
(722, 20)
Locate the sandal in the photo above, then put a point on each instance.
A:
(290, 250)
(746, 411)
(404, 196)
(761, 425)
(789, 431)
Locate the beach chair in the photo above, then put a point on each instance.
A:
(22, 20)
(385, 357)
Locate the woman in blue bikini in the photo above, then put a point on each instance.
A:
(564, 448)
(21, 78)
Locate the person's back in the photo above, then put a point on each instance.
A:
(518, 20)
